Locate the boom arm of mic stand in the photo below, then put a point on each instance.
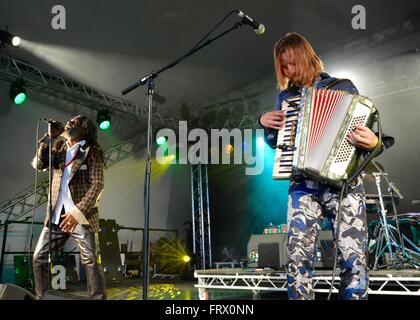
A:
(154, 74)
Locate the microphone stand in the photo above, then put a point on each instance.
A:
(149, 79)
(50, 176)
(394, 207)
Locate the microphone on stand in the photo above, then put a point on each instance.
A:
(258, 27)
(51, 121)
(53, 124)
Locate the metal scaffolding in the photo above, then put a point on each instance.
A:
(49, 85)
(398, 85)
(387, 282)
(201, 216)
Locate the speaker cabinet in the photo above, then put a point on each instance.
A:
(12, 292)
(270, 250)
(325, 250)
(267, 250)
(269, 255)
(23, 271)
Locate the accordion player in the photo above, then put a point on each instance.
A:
(313, 143)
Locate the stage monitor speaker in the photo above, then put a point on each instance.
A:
(269, 255)
(12, 292)
(325, 250)
(264, 250)
(273, 250)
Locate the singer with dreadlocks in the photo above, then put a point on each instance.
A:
(78, 179)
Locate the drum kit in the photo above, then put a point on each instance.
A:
(388, 246)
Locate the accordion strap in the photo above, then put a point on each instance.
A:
(333, 83)
(372, 154)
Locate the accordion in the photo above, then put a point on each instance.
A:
(313, 143)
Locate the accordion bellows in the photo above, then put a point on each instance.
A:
(313, 143)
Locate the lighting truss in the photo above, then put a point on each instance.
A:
(201, 216)
(47, 84)
(394, 86)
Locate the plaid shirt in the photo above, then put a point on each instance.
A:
(86, 180)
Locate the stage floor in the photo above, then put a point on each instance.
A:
(132, 289)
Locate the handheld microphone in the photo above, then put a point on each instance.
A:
(258, 27)
(53, 124)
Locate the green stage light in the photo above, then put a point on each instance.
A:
(103, 119)
(20, 98)
(160, 140)
(105, 125)
(18, 92)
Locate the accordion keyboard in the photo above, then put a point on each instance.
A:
(285, 147)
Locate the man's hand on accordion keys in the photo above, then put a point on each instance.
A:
(362, 137)
(273, 119)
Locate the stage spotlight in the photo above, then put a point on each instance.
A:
(260, 142)
(229, 149)
(103, 119)
(160, 140)
(186, 258)
(8, 38)
(15, 41)
(18, 92)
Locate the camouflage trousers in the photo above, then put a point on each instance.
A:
(309, 204)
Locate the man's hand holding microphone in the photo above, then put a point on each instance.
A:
(57, 128)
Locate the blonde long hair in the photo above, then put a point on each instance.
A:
(306, 58)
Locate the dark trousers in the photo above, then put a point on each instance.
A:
(87, 243)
